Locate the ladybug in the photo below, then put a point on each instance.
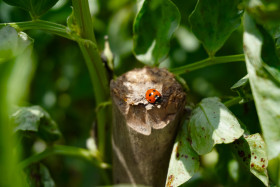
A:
(153, 96)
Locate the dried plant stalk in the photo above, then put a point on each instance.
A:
(144, 133)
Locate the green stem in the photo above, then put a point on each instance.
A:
(207, 62)
(47, 26)
(232, 101)
(102, 105)
(95, 66)
(68, 151)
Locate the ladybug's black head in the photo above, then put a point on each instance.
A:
(158, 98)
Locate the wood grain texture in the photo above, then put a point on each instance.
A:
(143, 133)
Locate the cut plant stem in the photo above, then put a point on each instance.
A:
(143, 134)
(207, 62)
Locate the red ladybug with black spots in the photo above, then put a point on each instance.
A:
(153, 96)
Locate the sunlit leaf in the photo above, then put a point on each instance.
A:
(36, 119)
(39, 175)
(213, 21)
(251, 151)
(184, 161)
(153, 27)
(264, 76)
(35, 7)
(212, 123)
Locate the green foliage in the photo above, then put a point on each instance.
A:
(37, 120)
(242, 87)
(273, 170)
(213, 21)
(36, 8)
(63, 86)
(265, 12)
(212, 123)
(39, 176)
(153, 27)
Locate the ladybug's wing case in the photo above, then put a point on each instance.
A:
(153, 96)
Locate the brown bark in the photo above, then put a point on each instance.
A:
(144, 133)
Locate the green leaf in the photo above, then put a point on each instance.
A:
(264, 80)
(119, 31)
(39, 175)
(184, 161)
(274, 170)
(265, 12)
(35, 7)
(153, 27)
(251, 151)
(212, 123)
(36, 119)
(241, 84)
(12, 43)
(242, 87)
(213, 21)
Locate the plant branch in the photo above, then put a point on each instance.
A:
(95, 66)
(47, 26)
(232, 101)
(68, 151)
(207, 62)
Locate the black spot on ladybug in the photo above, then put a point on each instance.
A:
(150, 95)
(154, 90)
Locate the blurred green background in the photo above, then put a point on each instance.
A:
(62, 86)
